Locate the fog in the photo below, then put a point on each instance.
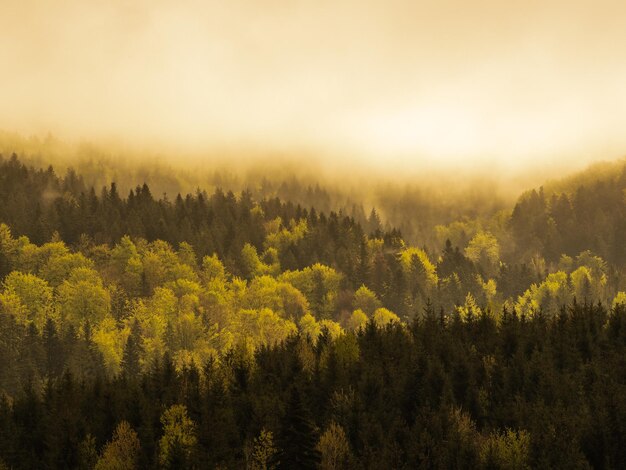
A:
(400, 86)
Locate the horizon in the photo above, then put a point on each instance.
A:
(412, 86)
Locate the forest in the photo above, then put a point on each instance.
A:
(287, 328)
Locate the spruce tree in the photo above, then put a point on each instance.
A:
(297, 439)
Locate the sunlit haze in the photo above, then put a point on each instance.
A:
(400, 83)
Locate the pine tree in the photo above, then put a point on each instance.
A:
(297, 439)
(132, 352)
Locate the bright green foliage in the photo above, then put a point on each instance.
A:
(212, 269)
(161, 264)
(588, 283)
(110, 342)
(122, 453)
(127, 263)
(320, 285)
(308, 326)
(59, 267)
(8, 245)
(263, 327)
(490, 295)
(383, 317)
(280, 296)
(34, 258)
(184, 288)
(217, 301)
(83, 297)
(11, 304)
(123, 252)
(357, 320)
(366, 300)
(469, 310)
(34, 294)
(281, 238)
(271, 261)
(620, 299)
(153, 316)
(179, 437)
(547, 296)
(418, 267)
(251, 263)
(484, 250)
(253, 266)
(333, 328)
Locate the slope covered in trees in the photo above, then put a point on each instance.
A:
(439, 393)
(175, 314)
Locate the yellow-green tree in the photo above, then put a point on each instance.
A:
(33, 293)
(620, 299)
(383, 317)
(320, 285)
(110, 341)
(83, 297)
(179, 437)
(366, 300)
(58, 267)
(334, 448)
(469, 310)
(251, 263)
(484, 250)
(548, 296)
(122, 453)
(262, 327)
(357, 320)
(309, 326)
(280, 296)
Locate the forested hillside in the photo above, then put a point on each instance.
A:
(226, 330)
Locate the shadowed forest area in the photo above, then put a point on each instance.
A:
(243, 330)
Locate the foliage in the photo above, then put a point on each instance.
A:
(179, 437)
(263, 451)
(334, 448)
(122, 452)
(227, 337)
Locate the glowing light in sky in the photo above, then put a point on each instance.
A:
(401, 81)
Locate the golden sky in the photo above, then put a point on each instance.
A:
(407, 82)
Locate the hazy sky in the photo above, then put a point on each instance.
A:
(410, 82)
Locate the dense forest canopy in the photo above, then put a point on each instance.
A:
(235, 330)
(414, 202)
(292, 235)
